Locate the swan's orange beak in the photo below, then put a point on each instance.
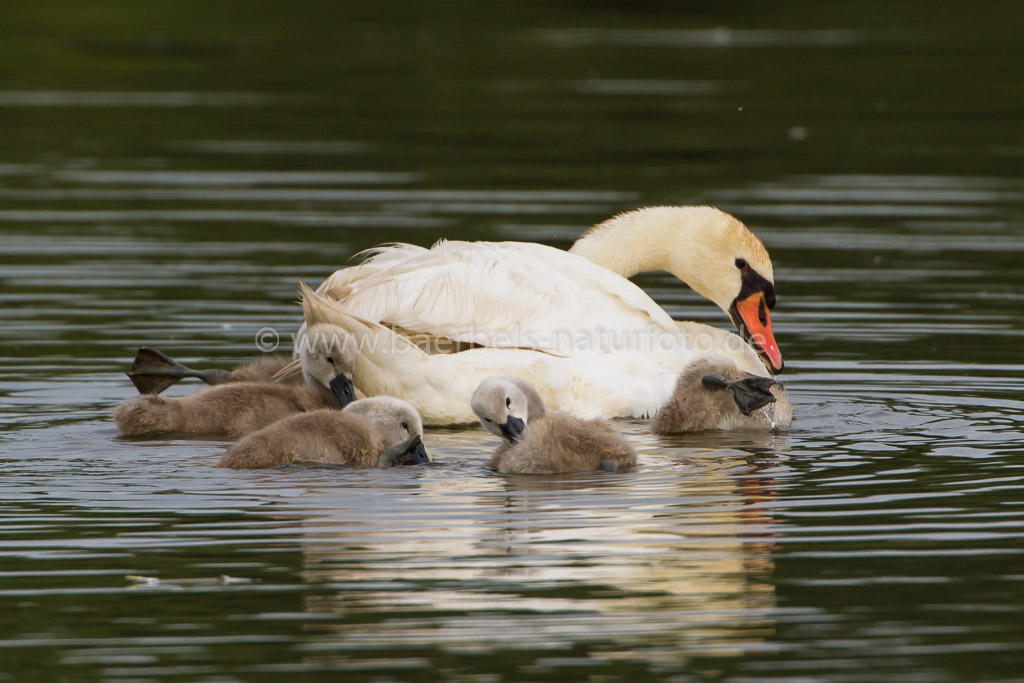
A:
(750, 315)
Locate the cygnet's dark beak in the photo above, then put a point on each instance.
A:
(417, 454)
(341, 387)
(410, 452)
(750, 393)
(513, 429)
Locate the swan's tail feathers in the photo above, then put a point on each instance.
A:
(153, 371)
(376, 343)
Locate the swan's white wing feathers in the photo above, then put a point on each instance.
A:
(586, 273)
(375, 260)
(506, 294)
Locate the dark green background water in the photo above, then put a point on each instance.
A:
(168, 171)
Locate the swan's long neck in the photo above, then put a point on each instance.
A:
(629, 243)
(672, 238)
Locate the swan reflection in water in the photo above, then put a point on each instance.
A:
(674, 556)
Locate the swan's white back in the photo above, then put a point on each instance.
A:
(499, 295)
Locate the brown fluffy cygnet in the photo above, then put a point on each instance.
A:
(237, 408)
(372, 432)
(226, 409)
(712, 393)
(538, 441)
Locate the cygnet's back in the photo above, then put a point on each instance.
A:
(373, 432)
(543, 442)
(237, 408)
(563, 443)
(230, 409)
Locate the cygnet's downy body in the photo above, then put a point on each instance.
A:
(372, 432)
(538, 441)
(712, 393)
(238, 408)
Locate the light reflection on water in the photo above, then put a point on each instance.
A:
(386, 570)
(880, 537)
(453, 555)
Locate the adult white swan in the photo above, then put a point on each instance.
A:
(526, 295)
(576, 305)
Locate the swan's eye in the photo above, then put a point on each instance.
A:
(741, 264)
(405, 425)
(330, 360)
(508, 401)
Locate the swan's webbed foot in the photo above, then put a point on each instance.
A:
(750, 393)
(153, 371)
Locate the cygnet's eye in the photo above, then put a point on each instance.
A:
(405, 425)
(330, 360)
(508, 401)
(741, 264)
(487, 419)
